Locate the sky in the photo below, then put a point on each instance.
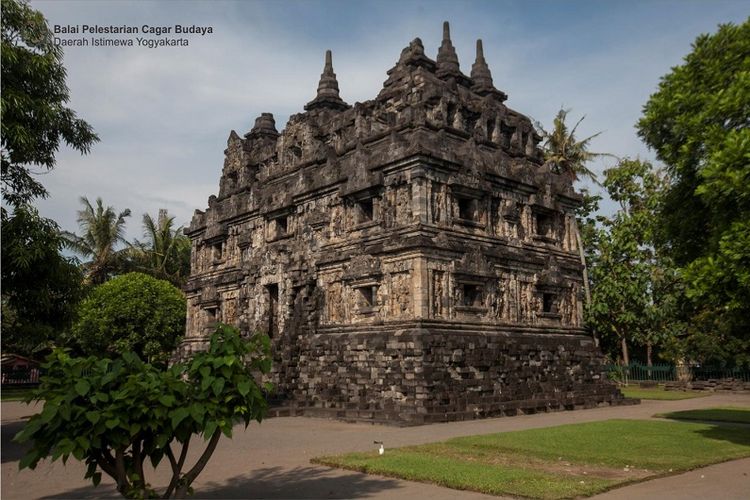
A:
(164, 114)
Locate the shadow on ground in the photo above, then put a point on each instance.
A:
(12, 451)
(300, 482)
(725, 431)
(272, 482)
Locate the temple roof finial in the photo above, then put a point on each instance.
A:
(328, 89)
(481, 76)
(264, 126)
(480, 72)
(328, 69)
(447, 60)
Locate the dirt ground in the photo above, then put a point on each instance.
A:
(272, 459)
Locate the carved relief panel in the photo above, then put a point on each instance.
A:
(403, 204)
(229, 307)
(438, 296)
(438, 203)
(400, 296)
(335, 312)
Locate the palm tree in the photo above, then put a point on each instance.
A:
(568, 156)
(564, 153)
(103, 229)
(165, 253)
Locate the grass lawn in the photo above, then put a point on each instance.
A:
(722, 414)
(15, 394)
(660, 393)
(557, 462)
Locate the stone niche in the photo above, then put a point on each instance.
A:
(412, 257)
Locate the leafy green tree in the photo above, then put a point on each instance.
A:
(132, 312)
(634, 288)
(697, 122)
(165, 253)
(34, 117)
(587, 234)
(41, 288)
(103, 229)
(117, 414)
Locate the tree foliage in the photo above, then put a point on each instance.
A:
(103, 229)
(34, 117)
(165, 252)
(697, 122)
(117, 414)
(567, 154)
(633, 286)
(41, 288)
(133, 312)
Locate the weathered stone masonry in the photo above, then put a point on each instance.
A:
(412, 256)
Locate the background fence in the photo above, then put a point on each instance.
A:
(662, 372)
(20, 377)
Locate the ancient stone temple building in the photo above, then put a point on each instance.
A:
(412, 257)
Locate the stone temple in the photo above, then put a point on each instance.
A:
(412, 257)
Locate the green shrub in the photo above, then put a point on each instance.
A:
(133, 312)
(115, 414)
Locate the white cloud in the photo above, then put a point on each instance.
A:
(164, 114)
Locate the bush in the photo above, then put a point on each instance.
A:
(133, 312)
(115, 414)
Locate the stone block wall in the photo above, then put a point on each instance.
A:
(419, 375)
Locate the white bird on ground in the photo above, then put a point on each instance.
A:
(381, 450)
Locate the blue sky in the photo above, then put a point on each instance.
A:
(164, 114)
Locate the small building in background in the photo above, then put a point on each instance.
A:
(19, 370)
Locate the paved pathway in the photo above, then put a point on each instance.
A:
(271, 460)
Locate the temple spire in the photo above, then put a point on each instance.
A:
(328, 69)
(482, 78)
(265, 126)
(328, 89)
(480, 72)
(447, 60)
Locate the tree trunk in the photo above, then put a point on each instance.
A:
(586, 289)
(625, 356)
(649, 349)
(187, 480)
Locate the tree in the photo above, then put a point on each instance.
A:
(165, 253)
(34, 117)
(564, 152)
(115, 414)
(568, 156)
(103, 229)
(697, 122)
(41, 288)
(133, 312)
(634, 287)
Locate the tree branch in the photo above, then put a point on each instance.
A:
(176, 466)
(175, 474)
(106, 465)
(138, 462)
(168, 452)
(199, 465)
(183, 453)
(122, 477)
